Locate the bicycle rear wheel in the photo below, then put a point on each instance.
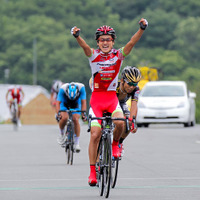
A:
(115, 165)
(108, 164)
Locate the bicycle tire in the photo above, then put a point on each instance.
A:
(66, 150)
(15, 118)
(72, 143)
(72, 149)
(100, 177)
(115, 166)
(68, 154)
(108, 165)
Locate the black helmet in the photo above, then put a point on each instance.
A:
(131, 74)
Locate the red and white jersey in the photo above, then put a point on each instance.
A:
(105, 69)
(16, 93)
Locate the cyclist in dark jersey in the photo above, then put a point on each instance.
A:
(128, 88)
(105, 63)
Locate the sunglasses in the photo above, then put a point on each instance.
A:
(105, 39)
(131, 83)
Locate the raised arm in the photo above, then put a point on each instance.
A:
(86, 48)
(135, 38)
(7, 95)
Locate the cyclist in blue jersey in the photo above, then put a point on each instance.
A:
(71, 96)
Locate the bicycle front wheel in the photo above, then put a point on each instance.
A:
(70, 145)
(108, 164)
(15, 120)
(100, 167)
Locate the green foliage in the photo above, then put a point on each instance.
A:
(170, 43)
(183, 8)
(187, 35)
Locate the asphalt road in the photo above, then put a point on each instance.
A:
(161, 162)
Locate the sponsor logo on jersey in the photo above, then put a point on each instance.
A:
(105, 79)
(112, 71)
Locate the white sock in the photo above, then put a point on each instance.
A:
(62, 132)
(76, 140)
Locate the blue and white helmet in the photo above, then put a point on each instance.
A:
(72, 91)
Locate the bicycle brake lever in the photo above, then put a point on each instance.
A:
(127, 125)
(89, 123)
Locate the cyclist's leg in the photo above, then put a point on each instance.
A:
(119, 128)
(19, 103)
(126, 112)
(62, 123)
(63, 120)
(115, 109)
(19, 114)
(119, 125)
(93, 145)
(10, 105)
(76, 118)
(19, 111)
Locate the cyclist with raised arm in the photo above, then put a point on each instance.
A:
(105, 63)
(54, 92)
(71, 96)
(128, 88)
(15, 92)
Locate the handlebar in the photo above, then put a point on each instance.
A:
(72, 111)
(125, 119)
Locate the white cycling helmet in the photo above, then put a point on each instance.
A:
(56, 85)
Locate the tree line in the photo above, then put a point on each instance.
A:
(170, 43)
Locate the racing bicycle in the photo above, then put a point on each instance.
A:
(69, 136)
(104, 160)
(14, 113)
